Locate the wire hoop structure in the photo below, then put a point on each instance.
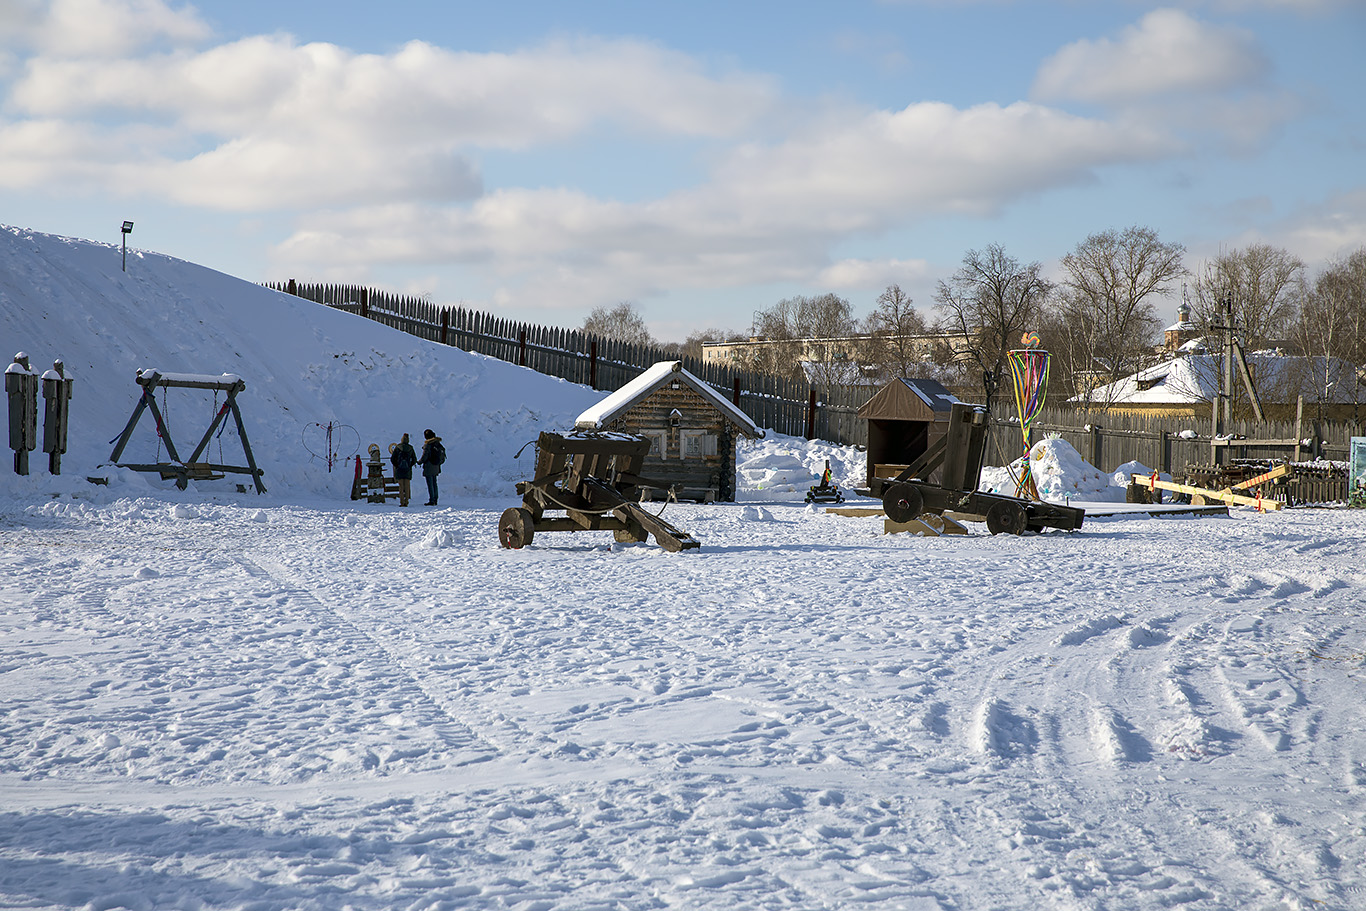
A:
(332, 442)
(1029, 370)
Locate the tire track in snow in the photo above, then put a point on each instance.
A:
(458, 738)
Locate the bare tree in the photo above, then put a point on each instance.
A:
(621, 322)
(1072, 369)
(896, 333)
(989, 302)
(1332, 321)
(692, 345)
(1106, 302)
(814, 333)
(1262, 282)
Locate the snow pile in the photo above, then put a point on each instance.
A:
(1062, 475)
(783, 468)
(438, 539)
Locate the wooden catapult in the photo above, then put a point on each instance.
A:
(191, 469)
(593, 478)
(958, 455)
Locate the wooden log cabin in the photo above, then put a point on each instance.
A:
(692, 430)
(905, 418)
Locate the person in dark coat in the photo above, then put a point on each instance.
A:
(433, 454)
(404, 458)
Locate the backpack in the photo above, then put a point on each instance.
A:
(438, 454)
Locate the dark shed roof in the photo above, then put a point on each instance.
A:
(909, 400)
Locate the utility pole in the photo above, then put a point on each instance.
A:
(1221, 412)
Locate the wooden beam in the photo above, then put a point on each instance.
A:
(1279, 471)
(1223, 496)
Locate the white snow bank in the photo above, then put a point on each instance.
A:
(1062, 475)
(783, 468)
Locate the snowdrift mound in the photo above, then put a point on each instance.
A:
(784, 468)
(1062, 475)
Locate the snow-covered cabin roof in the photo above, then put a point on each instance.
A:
(656, 377)
(1197, 378)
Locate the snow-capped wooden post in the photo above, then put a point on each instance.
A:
(56, 409)
(21, 387)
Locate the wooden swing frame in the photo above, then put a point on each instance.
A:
(191, 469)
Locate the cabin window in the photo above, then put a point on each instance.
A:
(658, 441)
(697, 444)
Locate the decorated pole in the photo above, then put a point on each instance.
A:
(1029, 370)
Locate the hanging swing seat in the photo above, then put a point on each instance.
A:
(192, 469)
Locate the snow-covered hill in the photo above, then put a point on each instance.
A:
(303, 364)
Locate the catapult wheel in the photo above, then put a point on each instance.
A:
(1007, 519)
(516, 528)
(902, 502)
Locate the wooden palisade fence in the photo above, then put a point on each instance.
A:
(1164, 443)
(786, 406)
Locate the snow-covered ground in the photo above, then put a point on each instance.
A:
(293, 701)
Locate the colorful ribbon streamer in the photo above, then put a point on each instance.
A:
(1029, 370)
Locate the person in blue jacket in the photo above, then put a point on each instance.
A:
(433, 454)
(404, 458)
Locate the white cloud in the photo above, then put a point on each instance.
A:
(265, 123)
(1166, 54)
(859, 274)
(769, 213)
(1333, 229)
(99, 28)
(928, 158)
(476, 99)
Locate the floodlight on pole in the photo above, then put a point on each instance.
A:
(127, 229)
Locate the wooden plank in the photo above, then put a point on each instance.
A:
(1279, 471)
(1223, 496)
(856, 512)
(914, 526)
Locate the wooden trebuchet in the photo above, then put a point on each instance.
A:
(593, 478)
(958, 456)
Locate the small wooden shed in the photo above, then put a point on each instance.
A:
(692, 429)
(904, 418)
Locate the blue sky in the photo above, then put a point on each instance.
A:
(700, 160)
